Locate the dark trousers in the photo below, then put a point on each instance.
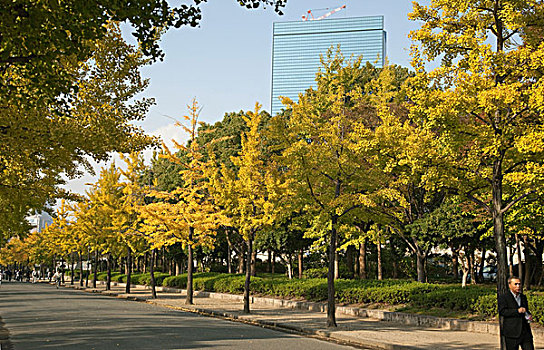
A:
(525, 340)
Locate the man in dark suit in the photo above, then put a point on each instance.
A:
(514, 309)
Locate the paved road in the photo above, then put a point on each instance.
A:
(38, 316)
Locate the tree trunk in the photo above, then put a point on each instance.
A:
(269, 261)
(189, 299)
(538, 269)
(62, 269)
(108, 278)
(527, 273)
(89, 265)
(152, 273)
(229, 250)
(498, 227)
(331, 303)
(128, 269)
(464, 278)
(273, 262)
(229, 258)
(201, 264)
(95, 268)
(72, 276)
(394, 260)
(350, 260)
(510, 261)
(254, 263)
(498, 232)
(144, 263)
(362, 260)
(179, 271)
(520, 265)
(241, 259)
(482, 265)
(380, 271)
(300, 254)
(529, 270)
(248, 274)
(420, 258)
(80, 269)
(455, 262)
(471, 268)
(336, 267)
(289, 267)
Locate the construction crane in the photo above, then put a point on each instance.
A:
(310, 16)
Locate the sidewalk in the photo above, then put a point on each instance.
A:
(360, 332)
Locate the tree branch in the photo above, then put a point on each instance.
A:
(516, 200)
(313, 194)
(479, 202)
(510, 169)
(349, 209)
(475, 115)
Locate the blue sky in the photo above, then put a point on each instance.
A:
(226, 62)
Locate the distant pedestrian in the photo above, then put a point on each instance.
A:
(514, 309)
(57, 277)
(34, 276)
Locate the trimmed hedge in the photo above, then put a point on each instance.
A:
(455, 298)
(478, 299)
(135, 278)
(347, 291)
(387, 294)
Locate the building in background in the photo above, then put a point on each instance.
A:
(297, 47)
(39, 221)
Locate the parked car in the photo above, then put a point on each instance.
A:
(490, 273)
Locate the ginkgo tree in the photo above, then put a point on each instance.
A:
(484, 102)
(185, 215)
(249, 194)
(125, 213)
(329, 170)
(106, 198)
(41, 142)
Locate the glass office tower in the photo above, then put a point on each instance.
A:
(298, 45)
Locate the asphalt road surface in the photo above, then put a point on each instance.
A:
(38, 316)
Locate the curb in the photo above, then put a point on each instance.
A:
(396, 317)
(247, 319)
(285, 327)
(389, 316)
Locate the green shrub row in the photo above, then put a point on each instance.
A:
(387, 294)
(456, 298)
(135, 278)
(480, 300)
(315, 289)
(486, 305)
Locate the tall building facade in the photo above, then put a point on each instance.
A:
(39, 221)
(297, 47)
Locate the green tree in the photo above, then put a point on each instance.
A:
(185, 215)
(40, 40)
(126, 212)
(248, 195)
(484, 102)
(40, 143)
(329, 172)
(66, 87)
